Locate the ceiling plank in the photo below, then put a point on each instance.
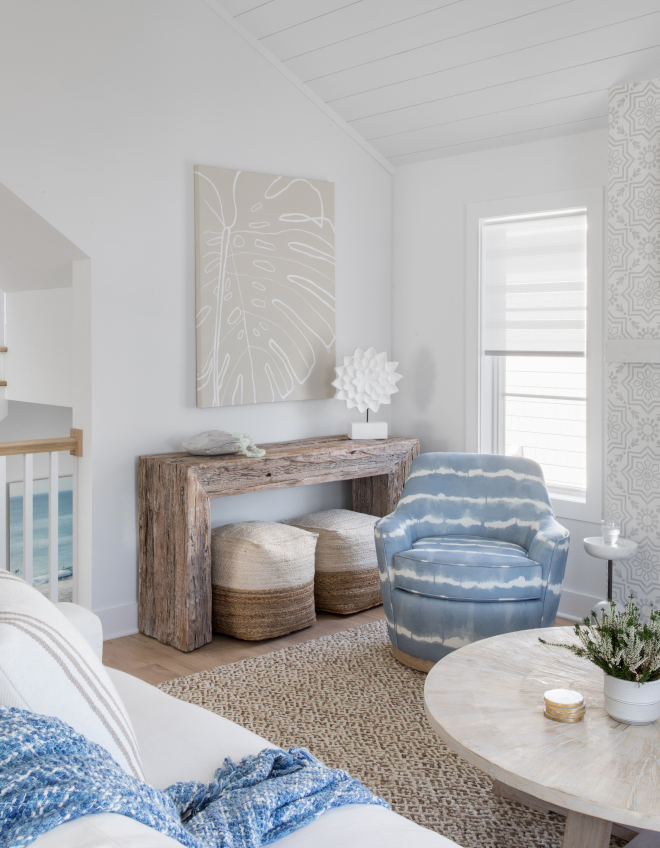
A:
(565, 111)
(509, 138)
(279, 15)
(423, 79)
(521, 92)
(239, 7)
(599, 22)
(540, 59)
(350, 23)
(354, 50)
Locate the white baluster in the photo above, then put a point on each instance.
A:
(76, 527)
(28, 491)
(4, 517)
(53, 527)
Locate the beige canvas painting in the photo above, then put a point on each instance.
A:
(265, 287)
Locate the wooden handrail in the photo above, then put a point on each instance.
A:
(73, 443)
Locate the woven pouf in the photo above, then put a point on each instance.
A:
(346, 577)
(263, 579)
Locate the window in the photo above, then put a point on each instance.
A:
(533, 295)
(536, 349)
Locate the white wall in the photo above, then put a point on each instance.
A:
(105, 108)
(428, 301)
(38, 335)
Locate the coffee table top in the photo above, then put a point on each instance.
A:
(486, 702)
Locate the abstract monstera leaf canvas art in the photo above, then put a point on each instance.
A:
(265, 287)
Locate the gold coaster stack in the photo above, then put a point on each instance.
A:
(564, 705)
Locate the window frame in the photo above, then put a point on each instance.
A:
(592, 200)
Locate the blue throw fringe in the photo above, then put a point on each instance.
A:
(49, 774)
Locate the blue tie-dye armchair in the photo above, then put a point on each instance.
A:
(472, 550)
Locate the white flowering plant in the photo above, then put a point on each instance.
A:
(620, 643)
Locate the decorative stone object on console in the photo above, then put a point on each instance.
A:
(211, 443)
(346, 578)
(262, 579)
(364, 381)
(219, 442)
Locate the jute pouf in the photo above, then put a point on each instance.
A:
(346, 578)
(262, 579)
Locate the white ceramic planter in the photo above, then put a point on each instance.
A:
(632, 703)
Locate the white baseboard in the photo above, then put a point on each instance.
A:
(119, 621)
(574, 605)
(123, 621)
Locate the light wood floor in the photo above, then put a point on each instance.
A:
(149, 660)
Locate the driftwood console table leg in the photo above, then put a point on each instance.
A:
(174, 492)
(175, 556)
(379, 495)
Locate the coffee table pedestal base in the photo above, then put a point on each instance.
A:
(586, 832)
(580, 830)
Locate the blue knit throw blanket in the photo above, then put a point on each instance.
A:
(49, 774)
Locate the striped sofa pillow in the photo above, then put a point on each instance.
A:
(47, 667)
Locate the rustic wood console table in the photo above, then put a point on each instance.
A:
(174, 492)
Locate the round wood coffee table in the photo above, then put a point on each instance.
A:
(486, 702)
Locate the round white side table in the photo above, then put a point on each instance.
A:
(623, 549)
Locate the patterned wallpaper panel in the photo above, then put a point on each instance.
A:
(633, 312)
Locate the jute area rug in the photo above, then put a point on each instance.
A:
(346, 699)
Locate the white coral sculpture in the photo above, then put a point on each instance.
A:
(366, 380)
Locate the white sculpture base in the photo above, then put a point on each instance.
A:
(367, 430)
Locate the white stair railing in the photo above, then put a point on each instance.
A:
(28, 448)
(53, 525)
(28, 518)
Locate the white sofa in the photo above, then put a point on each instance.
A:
(180, 741)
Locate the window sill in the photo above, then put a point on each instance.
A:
(586, 509)
(579, 496)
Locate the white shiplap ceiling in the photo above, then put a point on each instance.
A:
(419, 79)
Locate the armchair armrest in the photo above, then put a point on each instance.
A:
(393, 533)
(549, 535)
(549, 547)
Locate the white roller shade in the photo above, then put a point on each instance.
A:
(534, 282)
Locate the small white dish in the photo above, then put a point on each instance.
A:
(564, 698)
(597, 547)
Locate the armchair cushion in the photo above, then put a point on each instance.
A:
(468, 568)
